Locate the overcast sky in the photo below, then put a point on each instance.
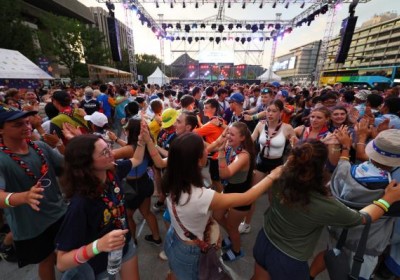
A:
(146, 42)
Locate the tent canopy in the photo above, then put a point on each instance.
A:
(265, 77)
(158, 77)
(14, 65)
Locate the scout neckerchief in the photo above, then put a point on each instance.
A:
(68, 111)
(321, 134)
(17, 159)
(269, 137)
(114, 200)
(230, 156)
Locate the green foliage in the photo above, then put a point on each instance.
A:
(14, 34)
(94, 46)
(147, 64)
(63, 40)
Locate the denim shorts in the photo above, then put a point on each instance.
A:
(183, 259)
(279, 265)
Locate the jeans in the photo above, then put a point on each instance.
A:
(183, 259)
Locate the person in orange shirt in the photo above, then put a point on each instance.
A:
(288, 109)
(210, 132)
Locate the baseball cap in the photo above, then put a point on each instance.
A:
(7, 114)
(97, 118)
(236, 97)
(275, 84)
(385, 148)
(169, 117)
(284, 93)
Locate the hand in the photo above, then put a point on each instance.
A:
(362, 129)
(144, 132)
(34, 195)
(112, 241)
(81, 112)
(293, 141)
(215, 121)
(392, 192)
(384, 125)
(70, 131)
(330, 139)
(112, 136)
(36, 121)
(248, 117)
(51, 139)
(276, 173)
(343, 136)
(354, 115)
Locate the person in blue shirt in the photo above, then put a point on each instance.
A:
(103, 99)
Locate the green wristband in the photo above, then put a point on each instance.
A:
(94, 248)
(384, 202)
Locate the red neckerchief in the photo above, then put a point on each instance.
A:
(68, 111)
(114, 200)
(232, 153)
(269, 137)
(321, 134)
(44, 168)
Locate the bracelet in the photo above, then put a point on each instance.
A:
(345, 158)
(116, 140)
(7, 200)
(139, 144)
(345, 148)
(359, 143)
(84, 253)
(94, 248)
(380, 205)
(384, 202)
(76, 259)
(336, 149)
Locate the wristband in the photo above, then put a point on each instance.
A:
(345, 158)
(384, 202)
(139, 144)
(381, 205)
(345, 148)
(360, 143)
(84, 253)
(76, 259)
(7, 200)
(94, 248)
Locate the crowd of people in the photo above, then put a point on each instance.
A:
(76, 163)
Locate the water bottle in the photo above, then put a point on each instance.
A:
(115, 257)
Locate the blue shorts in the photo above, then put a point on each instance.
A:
(279, 265)
(183, 259)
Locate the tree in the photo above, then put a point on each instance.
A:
(15, 35)
(146, 64)
(62, 40)
(94, 46)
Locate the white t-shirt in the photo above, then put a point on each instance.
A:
(194, 214)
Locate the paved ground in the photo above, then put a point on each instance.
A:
(152, 267)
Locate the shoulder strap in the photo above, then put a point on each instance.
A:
(342, 239)
(358, 258)
(202, 244)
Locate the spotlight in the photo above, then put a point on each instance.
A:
(157, 6)
(277, 26)
(248, 39)
(262, 26)
(243, 40)
(274, 5)
(239, 25)
(187, 27)
(217, 40)
(202, 38)
(178, 26)
(237, 39)
(177, 38)
(230, 26)
(302, 5)
(196, 39)
(229, 4)
(221, 28)
(213, 26)
(287, 5)
(261, 5)
(183, 4)
(194, 25)
(172, 5)
(254, 28)
(196, 5)
(248, 26)
(190, 39)
(215, 5)
(211, 39)
(244, 5)
(202, 25)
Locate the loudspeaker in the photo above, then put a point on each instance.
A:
(346, 35)
(113, 34)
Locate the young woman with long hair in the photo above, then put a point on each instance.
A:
(236, 159)
(301, 207)
(183, 185)
(95, 220)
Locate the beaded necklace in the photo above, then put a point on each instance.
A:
(17, 159)
(114, 200)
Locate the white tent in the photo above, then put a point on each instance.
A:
(265, 77)
(13, 65)
(158, 77)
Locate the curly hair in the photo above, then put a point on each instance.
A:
(304, 173)
(78, 177)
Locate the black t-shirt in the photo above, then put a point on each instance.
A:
(86, 220)
(90, 106)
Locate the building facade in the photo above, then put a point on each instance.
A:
(299, 64)
(375, 43)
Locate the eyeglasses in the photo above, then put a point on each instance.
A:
(107, 152)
